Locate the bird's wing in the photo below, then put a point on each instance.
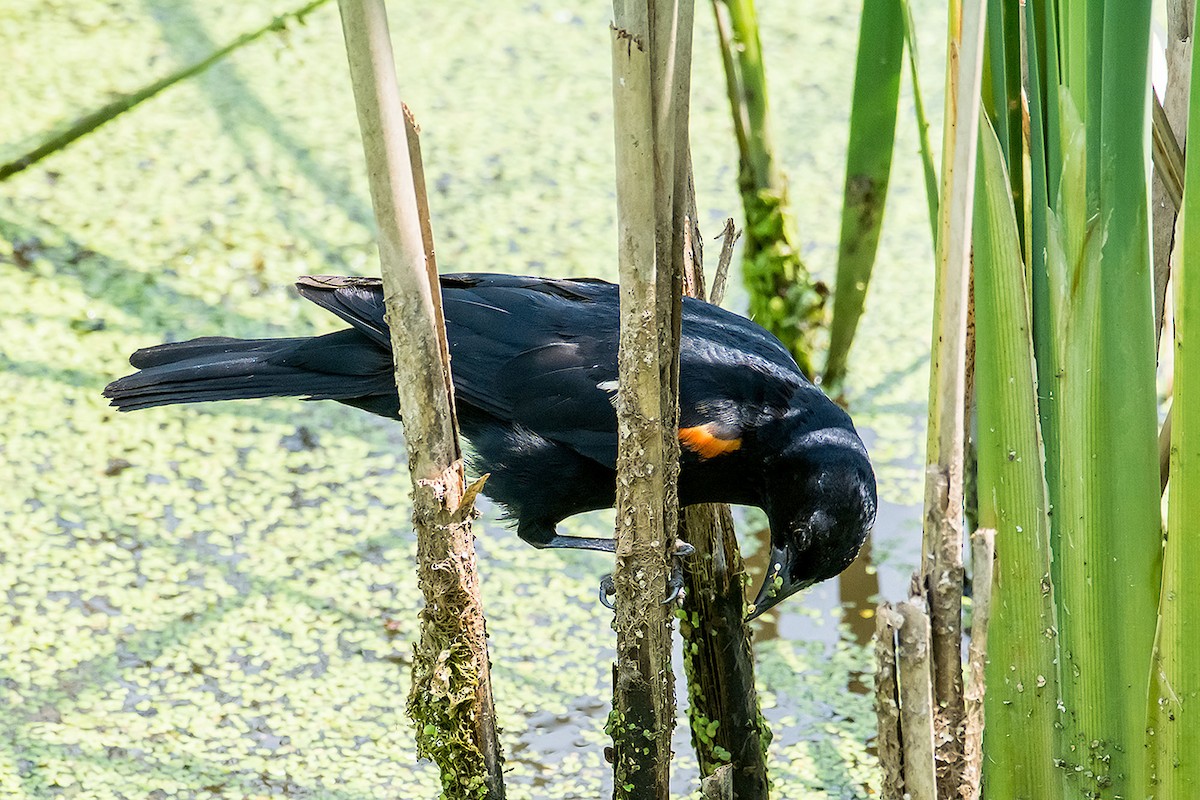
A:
(538, 353)
(542, 353)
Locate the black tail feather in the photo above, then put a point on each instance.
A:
(175, 352)
(345, 366)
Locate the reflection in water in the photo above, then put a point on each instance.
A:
(858, 590)
(858, 593)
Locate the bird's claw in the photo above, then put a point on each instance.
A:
(675, 590)
(674, 586)
(607, 588)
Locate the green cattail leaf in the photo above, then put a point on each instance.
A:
(1023, 688)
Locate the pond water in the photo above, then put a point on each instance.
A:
(218, 601)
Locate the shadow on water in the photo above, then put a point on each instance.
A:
(241, 109)
(149, 298)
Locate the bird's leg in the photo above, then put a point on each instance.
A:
(578, 543)
(674, 583)
(544, 535)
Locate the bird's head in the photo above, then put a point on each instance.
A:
(820, 502)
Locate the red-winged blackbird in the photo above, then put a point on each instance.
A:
(534, 364)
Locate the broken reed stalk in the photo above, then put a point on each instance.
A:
(729, 236)
(727, 726)
(719, 785)
(942, 567)
(651, 47)
(918, 717)
(983, 553)
(60, 137)
(728, 731)
(889, 745)
(904, 695)
(451, 699)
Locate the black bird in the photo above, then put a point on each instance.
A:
(534, 364)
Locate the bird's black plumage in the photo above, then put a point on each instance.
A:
(534, 364)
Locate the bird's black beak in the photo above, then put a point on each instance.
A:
(777, 584)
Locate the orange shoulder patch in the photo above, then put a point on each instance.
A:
(702, 441)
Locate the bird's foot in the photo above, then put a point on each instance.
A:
(607, 589)
(675, 589)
